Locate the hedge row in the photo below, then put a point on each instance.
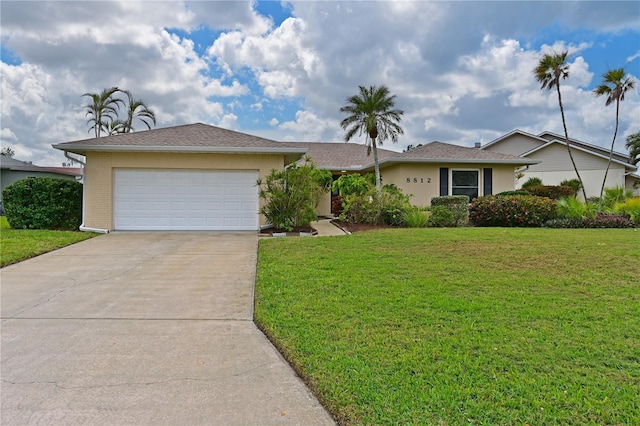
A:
(512, 210)
(43, 203)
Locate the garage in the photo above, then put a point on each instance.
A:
(185, 200)
(192, 177)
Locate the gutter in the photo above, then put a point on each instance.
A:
(82, 227)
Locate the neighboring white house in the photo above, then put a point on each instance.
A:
(555, 165)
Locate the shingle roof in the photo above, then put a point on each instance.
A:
(186, 138)
(445, 152)
(340, 155)
(348, 156)
(329, 155)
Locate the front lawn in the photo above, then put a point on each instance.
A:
(506, 326)
(22, 244)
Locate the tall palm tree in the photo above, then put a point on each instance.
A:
(370, 112)
(137, 109)
(633, 145)
(614, 86)
(549, 71)
(102, 109)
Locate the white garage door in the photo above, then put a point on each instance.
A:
(217, 200)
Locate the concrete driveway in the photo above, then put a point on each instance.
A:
(144, 328)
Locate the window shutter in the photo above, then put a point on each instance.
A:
(444, 181)
(487, 182)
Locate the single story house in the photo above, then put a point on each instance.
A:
(201, 177)
(554, 164)
(12, 170)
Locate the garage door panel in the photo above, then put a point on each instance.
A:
(185, 200)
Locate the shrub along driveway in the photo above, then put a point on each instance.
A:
(143, 328)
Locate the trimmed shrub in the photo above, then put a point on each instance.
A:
(573, 184)
(441, 217)
(519, 192)
(458, 205)
(43, 203)
(551, 191)
(417, 218)
(388, 207)
(512, 210)
(601, 220)
(532, 181)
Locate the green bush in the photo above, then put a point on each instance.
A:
(387, 207)
(601, 220)
(573, 184)
(630, 208)
(292, 194)
(417, 218)
(354, 184)
(571, 207)
(551, 191)
(512, 210)
(441, 217)
(613, 196)
(518, 192)
(458, 205)
(532, 181)
(43, 203)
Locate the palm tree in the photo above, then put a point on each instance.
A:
(633, 145)
(102, 109)
(137, 109)
(549, 71)
(614, 85)
(370, 112)
(114, 127)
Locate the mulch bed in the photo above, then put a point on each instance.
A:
(295, 233)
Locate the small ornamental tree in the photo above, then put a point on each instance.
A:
(43, 203)
(292, 194)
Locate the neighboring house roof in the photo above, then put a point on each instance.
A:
(197, 137)
(546, 139)
(9, 163)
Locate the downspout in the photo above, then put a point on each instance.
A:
(84, 186)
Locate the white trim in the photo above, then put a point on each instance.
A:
(480, 177)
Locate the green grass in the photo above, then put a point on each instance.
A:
(21, 244)
(460, 326)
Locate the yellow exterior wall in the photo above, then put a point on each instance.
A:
(422, 181)
(99, 174)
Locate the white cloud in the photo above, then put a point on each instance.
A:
(459, 69)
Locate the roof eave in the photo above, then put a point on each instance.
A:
(516, 162)
(82, 149)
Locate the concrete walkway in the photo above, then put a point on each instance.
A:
(144, 329)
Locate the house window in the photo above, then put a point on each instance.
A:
(465, 182)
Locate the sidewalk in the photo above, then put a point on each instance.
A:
(325, 228)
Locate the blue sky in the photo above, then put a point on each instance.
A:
(461, 70)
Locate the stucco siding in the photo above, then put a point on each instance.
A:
(632, 184)
(516, 144)
(422, 181)
(555, 158)
(100, 166)
(592, 178)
